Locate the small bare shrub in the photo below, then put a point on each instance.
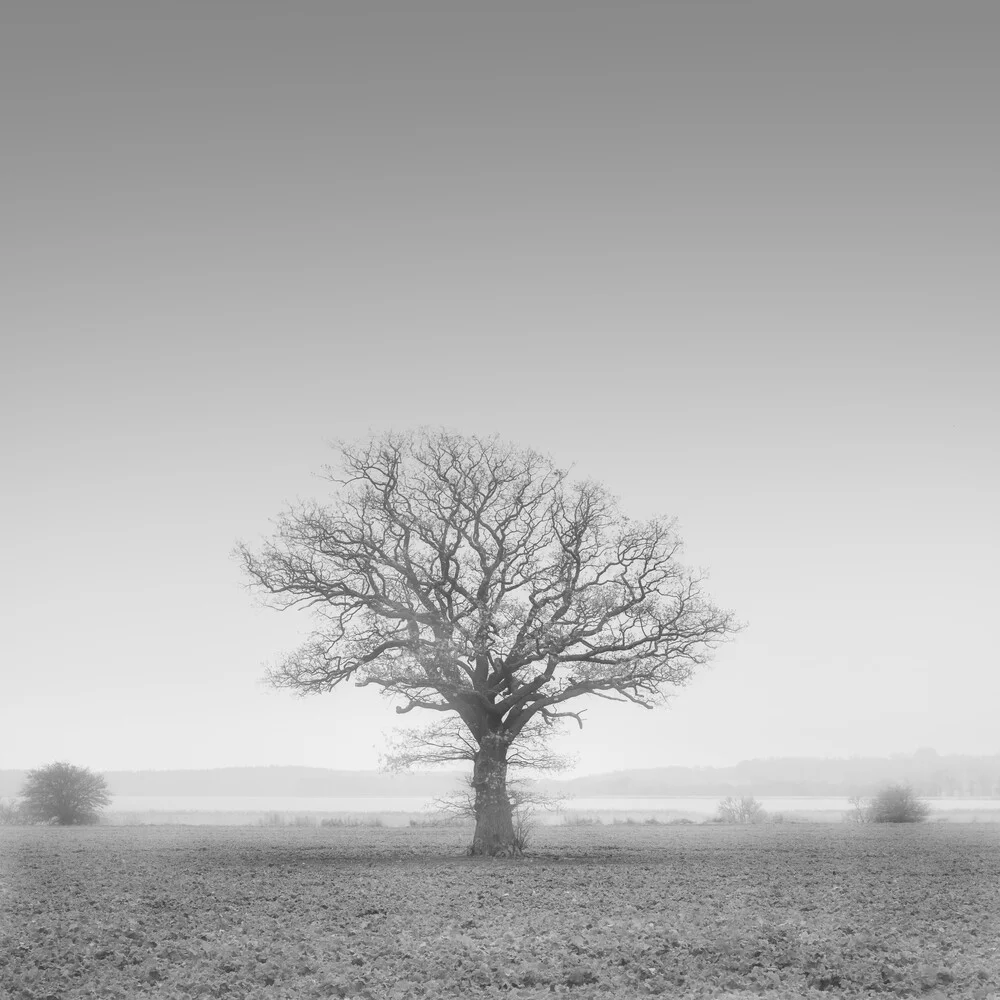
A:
(524, 827)
(353, 821)
(12, 813)
(440, 821)
(741, 810)
(860, 811)
(578, 819)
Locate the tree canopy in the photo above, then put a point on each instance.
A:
(65, 794)
(465, 576)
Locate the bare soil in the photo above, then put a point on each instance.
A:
(600, 911)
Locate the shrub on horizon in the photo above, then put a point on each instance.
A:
(860, 811)
(745, 810)
(64, 794)
(898, 804)
(12, 813)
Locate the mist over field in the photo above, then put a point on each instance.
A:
(929, 773)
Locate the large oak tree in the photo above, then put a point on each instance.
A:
(464, 576)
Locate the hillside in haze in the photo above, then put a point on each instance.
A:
(929, 774)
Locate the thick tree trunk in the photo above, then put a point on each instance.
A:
(494, 818)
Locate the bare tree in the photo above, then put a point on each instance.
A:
(448, 741)
(463, 576)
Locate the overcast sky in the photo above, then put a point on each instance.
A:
(738, 261)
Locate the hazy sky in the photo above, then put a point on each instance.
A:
(736, 260)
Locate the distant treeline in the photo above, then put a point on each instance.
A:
(304, 782)
(928, 773)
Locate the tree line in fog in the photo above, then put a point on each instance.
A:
(928, 773)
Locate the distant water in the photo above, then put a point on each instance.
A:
(697, 805)
(266, 803)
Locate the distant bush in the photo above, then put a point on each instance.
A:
(436, 821)
(860, 811)
(741, 810)
(352, 821)
(577, 819)
(277, 819)
(12, 813)
(64, 794)
(898, 804)
(892, 804)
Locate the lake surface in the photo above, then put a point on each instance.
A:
(696, 805)
(267, 803)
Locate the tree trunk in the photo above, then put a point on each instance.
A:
(494, 818)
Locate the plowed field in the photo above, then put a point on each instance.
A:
(777, 911)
